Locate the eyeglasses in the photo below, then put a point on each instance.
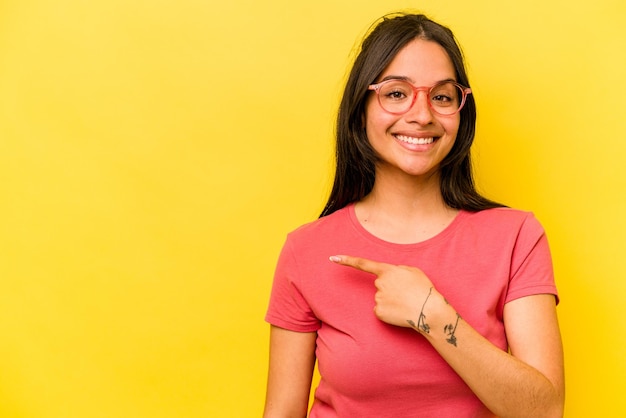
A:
(398, 96)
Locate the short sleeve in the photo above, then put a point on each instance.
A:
(288, 307)
(531, 264)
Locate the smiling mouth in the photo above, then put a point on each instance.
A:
(414, 141)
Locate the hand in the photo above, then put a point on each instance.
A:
(401, 290)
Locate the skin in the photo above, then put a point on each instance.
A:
(406, 206)
(383, 128)
(409, 173)
(292, 359)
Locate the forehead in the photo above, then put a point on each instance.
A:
(422, 62)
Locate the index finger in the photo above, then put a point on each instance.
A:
(363, 264)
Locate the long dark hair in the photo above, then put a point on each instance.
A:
(355, 158)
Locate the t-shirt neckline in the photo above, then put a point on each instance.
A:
(441, 236)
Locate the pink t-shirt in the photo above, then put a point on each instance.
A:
(368, 368)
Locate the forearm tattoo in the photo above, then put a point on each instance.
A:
(449, 329)
(421, 321)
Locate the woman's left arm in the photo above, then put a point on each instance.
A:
(527, 382)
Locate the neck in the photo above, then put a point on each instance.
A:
(407, 194)
(405, 210)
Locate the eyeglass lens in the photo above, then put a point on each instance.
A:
(396, 96)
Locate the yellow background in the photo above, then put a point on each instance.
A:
(153, 155)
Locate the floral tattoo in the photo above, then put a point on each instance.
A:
(449, 329)
(421, 322)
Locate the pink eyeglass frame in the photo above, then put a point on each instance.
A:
(465, 90)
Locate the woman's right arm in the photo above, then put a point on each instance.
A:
(292, 360)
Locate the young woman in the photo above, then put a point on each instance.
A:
(417, 296)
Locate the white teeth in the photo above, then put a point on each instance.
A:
(415, 141)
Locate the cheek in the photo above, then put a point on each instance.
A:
(377, 121)
(368, 116)
(451, 126)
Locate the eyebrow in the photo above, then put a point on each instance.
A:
(397, 77)
(410, 80)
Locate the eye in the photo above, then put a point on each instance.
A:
(445, 94)
(441, 98)
(396, 91)
(395, 94)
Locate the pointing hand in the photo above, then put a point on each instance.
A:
(401, 290)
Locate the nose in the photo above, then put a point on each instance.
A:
(420, 112)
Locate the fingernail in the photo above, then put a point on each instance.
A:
(334, 258)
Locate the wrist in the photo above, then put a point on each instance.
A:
(437, 319)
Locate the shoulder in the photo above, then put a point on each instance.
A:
(330, 224)
(502, 225)
(504, 219)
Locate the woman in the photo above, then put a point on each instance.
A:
(436, 302)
